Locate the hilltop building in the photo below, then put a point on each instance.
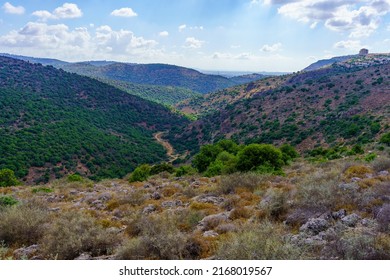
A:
(363, 52)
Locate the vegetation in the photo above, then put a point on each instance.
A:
(55, 123)
(226, 157)
(182, 79)
(7, 178)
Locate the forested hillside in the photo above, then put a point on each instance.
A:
(53, 122)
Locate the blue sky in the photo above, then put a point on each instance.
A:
(236, 35)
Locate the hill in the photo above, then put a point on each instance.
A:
(328, 62)
(166, 95)
(43, 61)
(53, 122)
(346, 103)
(153, 74)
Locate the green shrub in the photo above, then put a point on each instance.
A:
(7, 201)
(206, 156)
(41, 190)
(370, 157)
(184, 170)
(214, 169)
(254, 156)
(385, 139)
(289, 153)
(75, 178)
(7, 178)
(357, 149)
(140, 174)
(162, 167)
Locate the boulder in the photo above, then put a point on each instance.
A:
(351, 220)
(149, 209)
(337, 215)
(314, 226)
(26, 252)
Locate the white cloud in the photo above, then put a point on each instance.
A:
(182, 27)
(163, 34)
(11, 9)
(271, 48)
(360, 18)
(230, 56)
(196, 27)
(66, 11)
(42, 39)
(349, 45)
(193, 43)
(124, 12)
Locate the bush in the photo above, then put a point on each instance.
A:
(206, 156)
(184, 170)
(162, 167)
(253, 156)
(289, 153)
(159, 238)
(214, 169)
(385, 139)
(75, 178)
(7, 201)
(250, 181)
(262, 241)
(7, 178)
(74, 233)
(370, 157)
(140, 174)
(357, 171)
(22, 225)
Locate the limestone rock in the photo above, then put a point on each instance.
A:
(351, 220)
(314, 226)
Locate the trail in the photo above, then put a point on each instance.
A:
(170, 151)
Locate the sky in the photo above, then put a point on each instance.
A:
(221, 35)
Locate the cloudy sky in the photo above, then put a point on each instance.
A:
(241, 35)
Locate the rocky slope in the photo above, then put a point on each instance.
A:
(342, 104)
(337, 210)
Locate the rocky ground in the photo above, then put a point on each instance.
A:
(334, 210)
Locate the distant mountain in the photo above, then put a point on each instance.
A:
(43, 61)
(247, 78)
(53, 122)
(343, 104)
(161, 83)
(154, 74)
(328, 62)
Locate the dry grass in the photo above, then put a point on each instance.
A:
(74, 233)
(263, 241)
(250, 181)
(22, 225)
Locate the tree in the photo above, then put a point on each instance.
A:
(289, 153)
(7, 178)
(140, 174)
(206, 156)
(260, 157)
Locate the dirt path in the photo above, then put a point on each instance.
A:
(170, 151)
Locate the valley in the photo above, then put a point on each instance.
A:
(163, 162)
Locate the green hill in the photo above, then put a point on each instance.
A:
(53, 122)
(153, 74)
